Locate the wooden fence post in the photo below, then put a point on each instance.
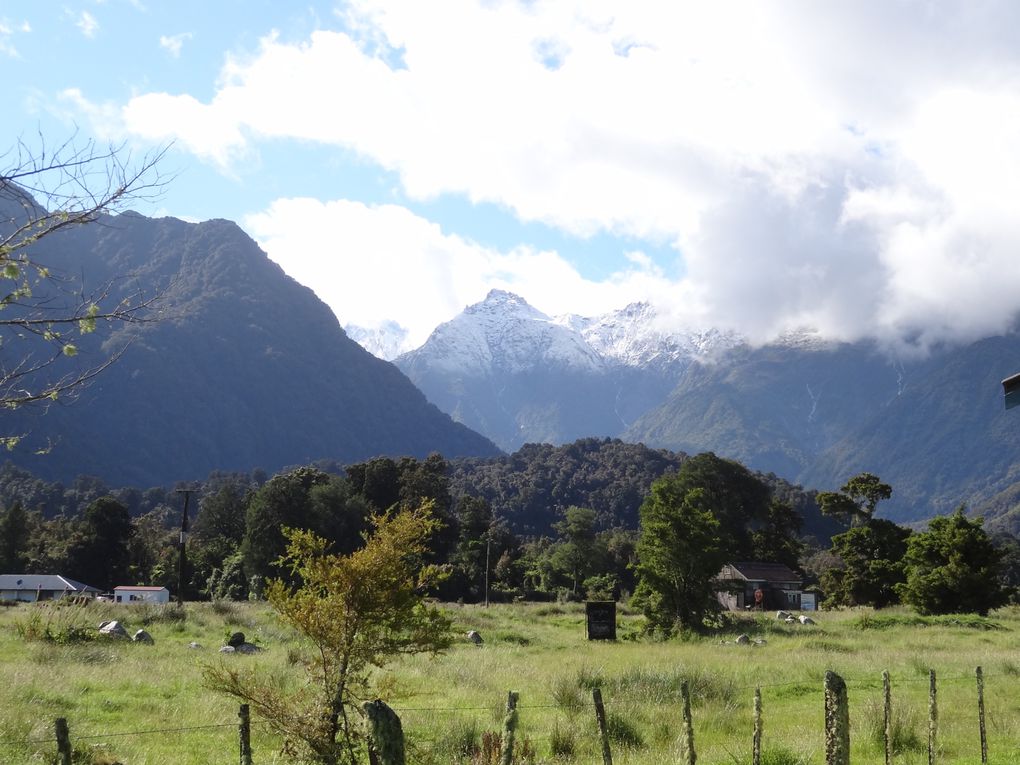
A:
(981, 715)
(687, 753)
(933, 717)
(63, 741)
(385, 734)
(756, 740)
(837, 721)
(244, 733)
(509, 726)
(887, 705)
(600, 718)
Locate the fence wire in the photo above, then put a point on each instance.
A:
(625, 701)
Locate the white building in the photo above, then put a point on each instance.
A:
(33, 587)
(124, 594)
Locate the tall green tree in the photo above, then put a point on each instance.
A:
(14, 535)
(304, 498)
(856, 500)
(680, 550)
(356, 612)
(738, 499)
(474, 525)
(101, 556)
(872, 565)
(575, 552)
(953, 567)
(154, 549)
(777, 540)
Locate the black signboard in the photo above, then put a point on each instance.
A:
(601, 621)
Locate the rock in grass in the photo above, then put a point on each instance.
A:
(236, 639)
(474, 637)
(113, 629)
(743, 639)
(143, 637)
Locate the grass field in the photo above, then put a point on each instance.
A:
(138, 704)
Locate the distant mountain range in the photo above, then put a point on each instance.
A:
(519, 376)
(247, 369)
(810, 411)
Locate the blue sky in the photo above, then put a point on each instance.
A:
(850, 168)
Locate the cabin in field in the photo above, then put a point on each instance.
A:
(124, 594)
(31, 588)
(779, 587)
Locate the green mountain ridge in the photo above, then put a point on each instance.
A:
(934, 428)
(246, 369)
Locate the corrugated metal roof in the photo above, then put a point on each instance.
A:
(757, 571)
(45, 582)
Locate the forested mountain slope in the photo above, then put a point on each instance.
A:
(245, 369)
(533, 486)
(934, 427)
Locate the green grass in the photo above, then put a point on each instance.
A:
(138, 704)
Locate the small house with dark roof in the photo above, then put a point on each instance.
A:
(738, 583)
(34, 587)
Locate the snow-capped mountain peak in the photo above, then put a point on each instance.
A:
(502, 333)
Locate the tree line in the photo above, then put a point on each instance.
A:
(691, 515)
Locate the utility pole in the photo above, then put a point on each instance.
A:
(182, 564)
(488, 546)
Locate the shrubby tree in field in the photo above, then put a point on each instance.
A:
(953, 567)
(356, 612)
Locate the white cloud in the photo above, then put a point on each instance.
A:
(419, 275)
(855, 167)
(87, 24)
(172, 44)
(7, 33)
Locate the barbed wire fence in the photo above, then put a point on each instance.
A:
(835, 690)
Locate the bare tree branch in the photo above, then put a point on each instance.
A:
(43, 191)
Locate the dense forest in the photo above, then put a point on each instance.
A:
(544, 522)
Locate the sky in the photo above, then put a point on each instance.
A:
(848, 168)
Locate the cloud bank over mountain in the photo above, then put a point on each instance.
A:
(854, 168)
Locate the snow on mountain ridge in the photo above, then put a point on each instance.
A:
(635, 336)
(384, 342)
(505, 333)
